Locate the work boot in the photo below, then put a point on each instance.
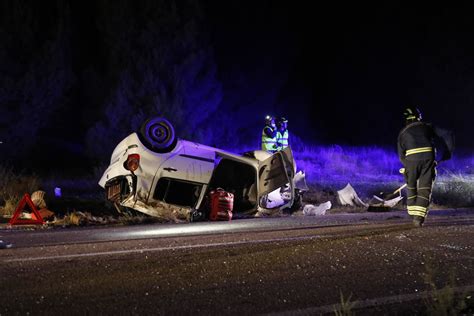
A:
(418, 221)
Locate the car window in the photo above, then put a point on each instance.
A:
(177, 192)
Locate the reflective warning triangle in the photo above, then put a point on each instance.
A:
(35, 219)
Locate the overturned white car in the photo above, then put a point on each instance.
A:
(152, 169)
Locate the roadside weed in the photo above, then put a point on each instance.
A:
(442, 301)
(10, 205)
(345, 307)
(13, 186)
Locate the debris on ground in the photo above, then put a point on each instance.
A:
(264, 212)
(311, 210)
(5, 245)
(163, 212)
(348, 196)
(82, 219)
(387, 201)
(380, 205)
(274, 199)
(46, 214)
(37, 198)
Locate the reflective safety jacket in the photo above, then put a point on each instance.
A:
(269, 139)
(416, 142)
(282, 139)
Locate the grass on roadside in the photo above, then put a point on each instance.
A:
(345, 307)
(443, 300)
(13, 185)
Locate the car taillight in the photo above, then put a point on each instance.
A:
(133, 162)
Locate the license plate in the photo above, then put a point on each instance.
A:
(113, 192)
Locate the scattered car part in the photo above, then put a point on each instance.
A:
(311, 210)
(381, 205)
(392, 195)
(385, 202)
(5, 244)
(348, 196)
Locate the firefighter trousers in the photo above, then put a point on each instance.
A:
(420, 176)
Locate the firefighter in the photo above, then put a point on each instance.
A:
(417, 154)
(282, 133)
(269, 135)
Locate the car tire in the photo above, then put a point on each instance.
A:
(158, 135)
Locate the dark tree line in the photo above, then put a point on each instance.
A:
(36, 73)
(159, 62)
(77, 77)
(151, 58)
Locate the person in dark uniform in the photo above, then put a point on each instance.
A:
(417, 154)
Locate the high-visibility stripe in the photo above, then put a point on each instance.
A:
(416, 208)
(425, 198)
(282, 139)
(417, 213)
(418, 150)
(411, 197)
(424, 188)
(268, 143)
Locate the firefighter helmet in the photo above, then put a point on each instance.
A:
(412, 113)
(282, 119)
(269, 119)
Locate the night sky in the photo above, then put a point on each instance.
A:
(341, 73)
(354, 67)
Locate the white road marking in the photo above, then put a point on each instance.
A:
(122, 252)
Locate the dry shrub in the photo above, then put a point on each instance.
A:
(12, 188)
(16, 184)
(10, 206)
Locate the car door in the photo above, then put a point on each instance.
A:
(190, 163)
(289, 161)
(275, 172)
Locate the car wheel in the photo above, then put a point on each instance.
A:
(158, 135)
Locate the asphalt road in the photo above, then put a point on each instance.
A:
(293, 265)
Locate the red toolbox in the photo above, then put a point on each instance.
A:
(221, 205)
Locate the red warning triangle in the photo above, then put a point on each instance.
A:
(36, 218)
